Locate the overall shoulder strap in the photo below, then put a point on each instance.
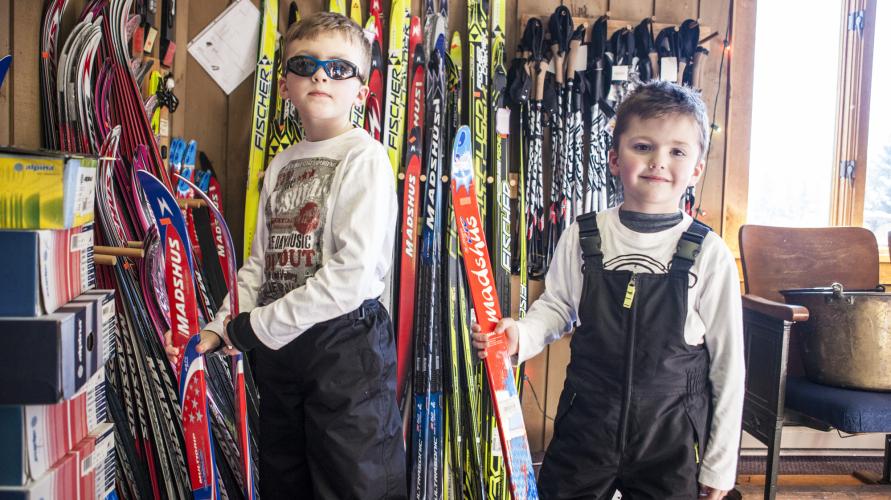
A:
(589, 239)
(689, 247)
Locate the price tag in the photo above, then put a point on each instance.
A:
(668, 69)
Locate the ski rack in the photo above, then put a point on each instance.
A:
(613, 25)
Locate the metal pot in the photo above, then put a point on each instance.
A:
(846, 342)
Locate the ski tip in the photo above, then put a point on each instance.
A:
(440, 44)
(415, 33)
(145, 177)
(293, 14)
(398, 23)
(191, 149)
(337, 6)
(462, 138)
(462, 166)
(455, 48)
(356, 11)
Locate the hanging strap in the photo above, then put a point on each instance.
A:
(589, 239)
(689, 247)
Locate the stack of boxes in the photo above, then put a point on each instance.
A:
(56, 330)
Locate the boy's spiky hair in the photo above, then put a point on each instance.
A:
(657, 99)
(312, 26)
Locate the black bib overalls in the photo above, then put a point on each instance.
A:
(634, 408)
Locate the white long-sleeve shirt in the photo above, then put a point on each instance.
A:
(714, 316)
(324, 237)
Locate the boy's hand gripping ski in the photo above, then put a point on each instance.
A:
(499, 369)
(178, 270)
(226, 249)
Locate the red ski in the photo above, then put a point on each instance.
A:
(374, 120)
(411, 193)
(499, 369)
(190, 368)
(226, 253)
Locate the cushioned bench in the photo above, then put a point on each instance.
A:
(847, 410)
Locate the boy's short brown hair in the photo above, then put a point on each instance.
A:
(657, 99)
(329, 22)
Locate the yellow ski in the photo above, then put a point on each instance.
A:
(397, 60)
(263, 93)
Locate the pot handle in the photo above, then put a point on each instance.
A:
(838, 291)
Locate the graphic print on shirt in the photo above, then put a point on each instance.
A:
(642, 264)
(295, 219)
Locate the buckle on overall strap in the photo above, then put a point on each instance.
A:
(364, 310)
(590, 245)
(689, 247)
(589, 237)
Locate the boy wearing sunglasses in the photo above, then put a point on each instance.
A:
(321, 343)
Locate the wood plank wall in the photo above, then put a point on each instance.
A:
(220, 123)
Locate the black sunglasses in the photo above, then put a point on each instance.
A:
(336, 69)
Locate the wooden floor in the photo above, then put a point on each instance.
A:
(801, 487)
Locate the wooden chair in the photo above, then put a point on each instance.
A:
(780, 258)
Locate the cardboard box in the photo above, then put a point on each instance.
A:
(45, 269)
(96, 455)
(44, 190)
(33, 438)
(101, 325)
(87, 410)
(60, 482)
(49, 364)
(44, 441)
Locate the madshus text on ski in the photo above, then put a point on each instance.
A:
(494, 159)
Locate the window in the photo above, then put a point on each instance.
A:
(794, 99)
(811, 119)
(877, 199)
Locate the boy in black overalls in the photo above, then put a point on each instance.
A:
(656, 370)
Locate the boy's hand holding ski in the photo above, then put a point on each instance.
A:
(507, 326)
(210, 342)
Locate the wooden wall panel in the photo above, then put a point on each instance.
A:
(22, 80)
(627, 10)
(862, 97)
(180, 76)
(5, 48)
(675, 11)
(711, 187)
(238, 137)
(534, 403)
(307, 7)
(558, 358)
(535, 373)
(203, 105)
(741, 60)
(512, 34)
